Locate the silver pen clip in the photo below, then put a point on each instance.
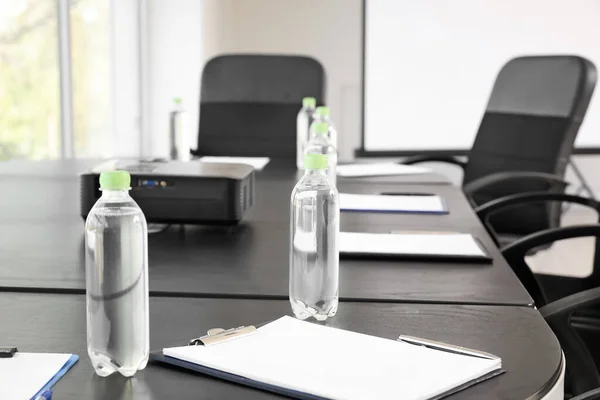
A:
(446, 347)
(219, 335)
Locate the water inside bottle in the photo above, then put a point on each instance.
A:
(314, 257)
(116, 252)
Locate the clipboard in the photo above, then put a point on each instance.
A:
(159, 357)
(218, 336)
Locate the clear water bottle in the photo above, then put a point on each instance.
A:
(179, 146)
(303, 122)
(116, 258)
(314, 255)
(320, 143)
(322, 114)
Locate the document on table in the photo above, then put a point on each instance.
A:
(257, 162)
(278, 357)
(358, 170)
(440, 245)
(420, 203)
(25, 375)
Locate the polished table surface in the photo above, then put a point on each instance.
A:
(530, 353)
(42, 244)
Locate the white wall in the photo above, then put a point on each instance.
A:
(431, 64)
(216, 24)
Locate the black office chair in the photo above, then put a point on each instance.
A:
(591, 395)
(569, 305)
(582, 372)
(249, 104)
(542, 287)
(526, 137)
(549, 290)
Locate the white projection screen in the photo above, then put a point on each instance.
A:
(429, 65)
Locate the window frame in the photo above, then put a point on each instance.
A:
(129, 104)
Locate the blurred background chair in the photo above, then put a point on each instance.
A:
(525, 139)
(249, 104)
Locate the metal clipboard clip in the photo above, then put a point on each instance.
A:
(446, 347)
(219, 335)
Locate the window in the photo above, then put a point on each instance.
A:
(90, 75)
(29, 96)
(98, 94)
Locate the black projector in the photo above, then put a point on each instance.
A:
(180, 192)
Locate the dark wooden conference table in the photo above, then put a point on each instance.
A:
(39, 217)
(206, 277)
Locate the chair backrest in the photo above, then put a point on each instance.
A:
(249, 103)
(530, 124)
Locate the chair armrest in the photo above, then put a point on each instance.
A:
(591, 395)
(567, 305)
(582, 370)
(446, 159)
(491, 207)
(522, 246)
(478, 184)
(515, 253)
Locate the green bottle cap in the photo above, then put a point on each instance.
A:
(315, 161)
(115, 180)
(321, 128)
(323, 110)
(177, 100)
(309, 102)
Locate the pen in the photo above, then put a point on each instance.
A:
(46, 395)
(446, 347)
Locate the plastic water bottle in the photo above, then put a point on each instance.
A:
(303, 122)
(178, 132)
(116, 258)
(321, 144)
(314, 255)
(322, 114)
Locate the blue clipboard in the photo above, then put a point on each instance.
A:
(61, 372)
(160, 357)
